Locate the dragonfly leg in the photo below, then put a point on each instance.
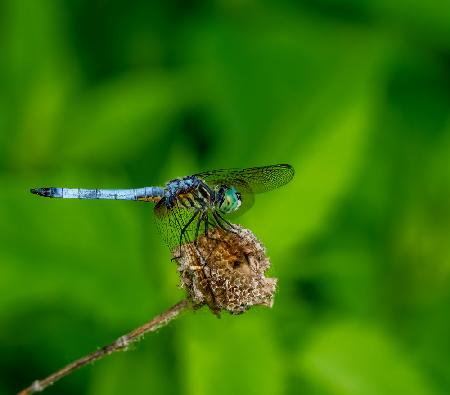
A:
(219, 221)
(224, 220)
(203, 218)
(197, 230)
(229, 226)
(211, 221)
(183, 231)
(206, 219)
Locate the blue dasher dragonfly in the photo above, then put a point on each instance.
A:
(193, 204)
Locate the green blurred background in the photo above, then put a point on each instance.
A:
(354, 94)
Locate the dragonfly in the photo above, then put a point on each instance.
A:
(186, 207)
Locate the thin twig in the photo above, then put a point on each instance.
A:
(120, 344)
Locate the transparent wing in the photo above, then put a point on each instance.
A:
(252, 179)
(171, 223)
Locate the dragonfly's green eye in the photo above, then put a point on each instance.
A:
(230, 201)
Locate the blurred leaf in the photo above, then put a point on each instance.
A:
(322, 175)
(230, 355)
(116, 118)
(425, 19)
(352, 359)
(38, 74)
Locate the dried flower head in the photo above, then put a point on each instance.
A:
(225, 270)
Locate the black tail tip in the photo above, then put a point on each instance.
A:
(47, 192)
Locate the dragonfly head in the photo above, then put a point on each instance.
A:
(228, 199)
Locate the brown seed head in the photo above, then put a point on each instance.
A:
(226, 271)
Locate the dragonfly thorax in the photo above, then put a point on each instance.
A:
(190, 192)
